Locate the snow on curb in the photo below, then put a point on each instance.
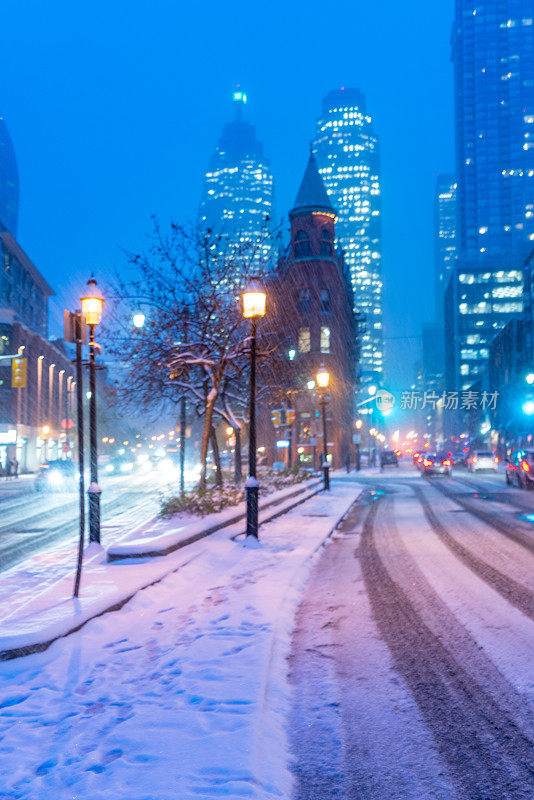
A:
(108, 586)
(164, 543)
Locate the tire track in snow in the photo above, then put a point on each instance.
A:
(512, 591)
(487, 752)
(506, 528)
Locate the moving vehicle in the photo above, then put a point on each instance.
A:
(388, 458)
(436, 464)
(520, 469)
(57, 476)
(482, 460)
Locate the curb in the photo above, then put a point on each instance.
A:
(208, 531)
(39, 647)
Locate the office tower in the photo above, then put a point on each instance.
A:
(9, 182)
(444, 237)
(346, 149)
(237, 200)
(493, 54)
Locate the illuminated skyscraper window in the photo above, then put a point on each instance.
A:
(9, 182)
(237, 199)
(346, 149)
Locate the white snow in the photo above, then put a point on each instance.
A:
(182, 693)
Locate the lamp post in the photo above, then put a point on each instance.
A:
(92, 304)
(254, 299)
(322, 379)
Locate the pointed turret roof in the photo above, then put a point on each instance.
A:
(312, 195)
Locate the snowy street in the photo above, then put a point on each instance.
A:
(30, 521)
(396, 662)
(411, 664)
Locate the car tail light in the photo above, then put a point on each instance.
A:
(496, 459)
(446, 463)
(475, 459)
(525, 466)
(428, 462)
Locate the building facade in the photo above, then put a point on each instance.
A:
(9, 182)
(238, 193)
(480, 301)
(346, 149)
(32, 418)
(445, 244)
(313, 321)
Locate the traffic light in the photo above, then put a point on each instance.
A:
(276, 417)
(290, 416)
(18, 372)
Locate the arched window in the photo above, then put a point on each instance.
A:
(302, 245)
(325, 300)
(326, 243)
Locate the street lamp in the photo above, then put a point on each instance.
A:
(254, 300)
(138, 319)
(322, 379)
(92, 304)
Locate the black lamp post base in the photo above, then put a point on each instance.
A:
(251, 493)
(94, 492)
(326, 476)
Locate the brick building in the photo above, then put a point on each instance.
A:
(310, 301)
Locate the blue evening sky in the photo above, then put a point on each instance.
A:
(115, 107)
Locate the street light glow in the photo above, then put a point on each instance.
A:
(138, 319)
(92, 303)
(322, 378)
(530, 378)
(372, 390)
(528, 407)
(254, 300)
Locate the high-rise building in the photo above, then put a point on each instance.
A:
(444, 237)
(9, 182)
(346, 148)
(237, 199)
(493, 54)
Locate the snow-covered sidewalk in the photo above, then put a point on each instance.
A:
(36, 596)
(180, 694)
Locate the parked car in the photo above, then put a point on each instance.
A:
(57, 476)
(436, 464)
(520, 469)
(482, 460)
(388, 458)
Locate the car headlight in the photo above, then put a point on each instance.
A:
(110, 468)
(55, 478)
(126, 467)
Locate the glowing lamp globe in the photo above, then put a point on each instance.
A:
(92, 303)
(254, 300)
(322, 379)
(138, 319)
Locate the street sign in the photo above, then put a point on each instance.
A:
(18, 372)
(69, 327)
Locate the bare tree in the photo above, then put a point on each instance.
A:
(194, 343)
